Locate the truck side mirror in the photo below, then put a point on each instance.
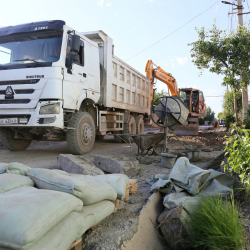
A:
(73, 58)
(75, 43)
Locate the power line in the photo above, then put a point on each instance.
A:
(173, 31)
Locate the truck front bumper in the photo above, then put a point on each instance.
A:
(34, 119)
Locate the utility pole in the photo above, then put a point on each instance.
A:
(244, 89)
(240, 22)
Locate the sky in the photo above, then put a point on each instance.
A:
(134, 25)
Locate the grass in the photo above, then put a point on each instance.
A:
(216, 225)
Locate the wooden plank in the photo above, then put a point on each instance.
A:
(132, 186)
(127, 195)
(131, 182)
(133, 189)
(116, 202)
(76, 245)
(96, 225)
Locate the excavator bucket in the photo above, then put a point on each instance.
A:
(190, 127)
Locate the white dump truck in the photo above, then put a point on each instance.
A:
(60, 84)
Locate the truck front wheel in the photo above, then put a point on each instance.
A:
(81, 133)
(9, 142)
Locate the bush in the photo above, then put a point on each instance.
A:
(229, 120)
(246, 121)
(238, 149)
(201, 121)
(215, 224)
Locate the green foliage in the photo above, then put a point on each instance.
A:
(220, 115)
(183, 95)
(238, 149)
(246, 121)
(201, 121)
(210, 115)
(228, 104)
(158, 95)
(224, 54)
(229, 120)
(216, 225)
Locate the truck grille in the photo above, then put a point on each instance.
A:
(19, 91)
(14, 101)
(14, 116)
(31, 81)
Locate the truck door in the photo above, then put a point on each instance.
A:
(74, 81)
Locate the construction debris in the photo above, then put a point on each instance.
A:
(116, 165)
(77, 165)
(174, 227)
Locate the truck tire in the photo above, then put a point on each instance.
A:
(129, 128)
(139, 124)
(81, 139)
(9, 142)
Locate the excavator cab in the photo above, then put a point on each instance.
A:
(194, 100)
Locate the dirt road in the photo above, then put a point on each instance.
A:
(44, 154)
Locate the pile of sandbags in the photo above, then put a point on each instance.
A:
(50, 209)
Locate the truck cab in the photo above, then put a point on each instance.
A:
(40, 88)
(59, 84)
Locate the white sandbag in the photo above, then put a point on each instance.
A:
(17, 168)
(28, 213)
(3, 167)
(85, 187)
(117, 181)
(73, 226)
(11, 181)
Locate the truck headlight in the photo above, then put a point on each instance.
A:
(50, 109)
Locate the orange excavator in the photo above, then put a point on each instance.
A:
(192, 98)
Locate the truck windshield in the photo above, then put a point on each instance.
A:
(32, 47)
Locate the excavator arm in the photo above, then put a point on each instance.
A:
(155, 72)
(194, 99)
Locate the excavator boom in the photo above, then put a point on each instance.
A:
(161, 75)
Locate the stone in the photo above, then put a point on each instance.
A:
(115, 165)
(77, 165)
(174, 227)
(216, 162)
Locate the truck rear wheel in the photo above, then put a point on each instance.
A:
(129, 128)
(139, 124)
(9, 142)
(81, 139)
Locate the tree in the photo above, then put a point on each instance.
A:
(228, 104)
(159, 94)
(220, 115)
(224, 54)
(210, 115)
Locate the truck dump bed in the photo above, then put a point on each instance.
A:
(122, 86)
